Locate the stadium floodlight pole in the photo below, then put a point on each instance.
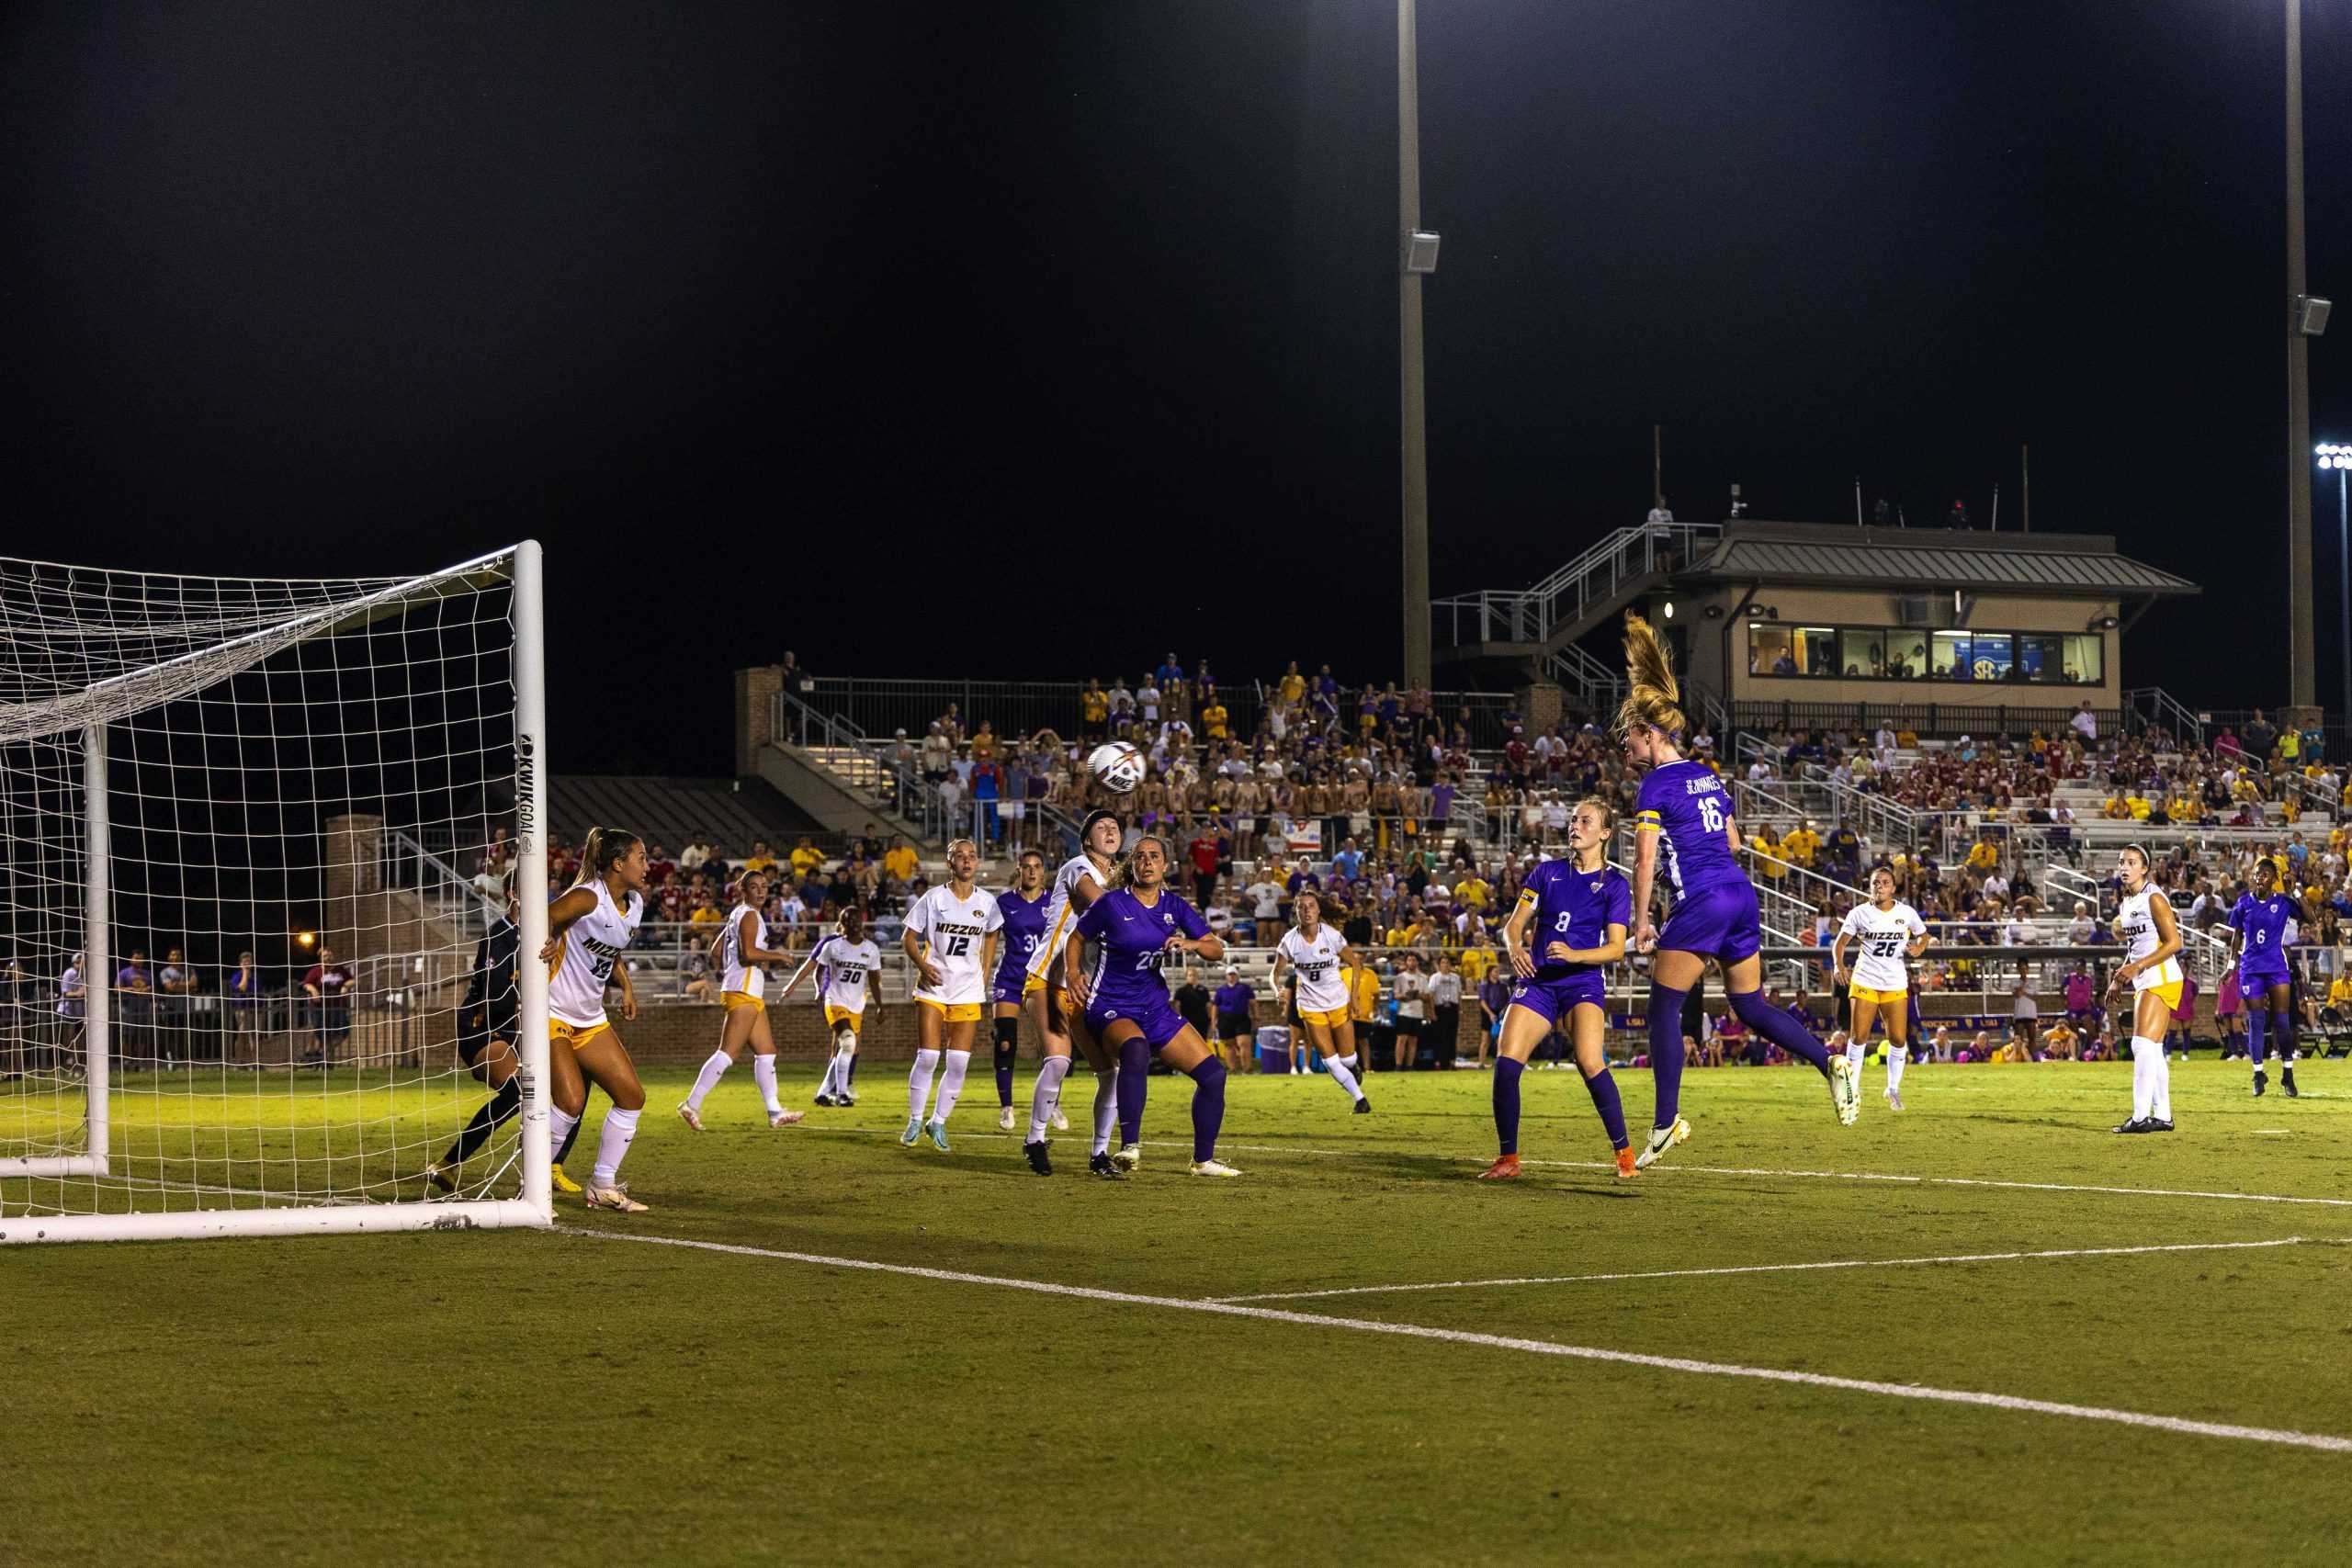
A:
(531, 869)
(2339, 457)
(1409, 310)
(2302, 683)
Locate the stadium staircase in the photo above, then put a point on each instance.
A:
(1535, 629)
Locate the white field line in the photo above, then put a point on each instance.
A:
(1670, 1166)
(2322, 1441)
(1766, 1269)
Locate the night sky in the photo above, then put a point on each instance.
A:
(1000, 339)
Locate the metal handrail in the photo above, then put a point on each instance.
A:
(1532, 615)
(2162, 711)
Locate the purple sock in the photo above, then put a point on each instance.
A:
(1612, 1109)
(1507, 1074)
(1665, 1052)
(2282, 1035)
(2258, 1023)
(1134, 1067)
(1208, 1106)
(1782, 1029)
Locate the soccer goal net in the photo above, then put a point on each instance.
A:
(256, 832)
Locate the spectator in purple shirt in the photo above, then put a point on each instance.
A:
(2081, 996)
(1237, 1024)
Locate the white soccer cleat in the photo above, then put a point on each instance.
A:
(786, 1118)
(1843, 1096)
(1212, 1168)
(614, 1197)
(690, 1116)
(1893, 1100)
(1661, 1140)
(1057, 1121)
(1129, 1156)
(1004, 1118)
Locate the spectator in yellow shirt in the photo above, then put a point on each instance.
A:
(2140, 807)
(1767, 855)
(2339, 991)
(2116, 809)
(1477, 963)
(1363, 991)
(806, 859)
(1473, 892)
(759, 859)
(1983, 855)
(1292, 686)
(898, 861)
(1799, 844)
(1213, 718)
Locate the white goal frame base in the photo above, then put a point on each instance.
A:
(332, 1219)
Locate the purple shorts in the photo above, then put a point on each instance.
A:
(1159, 1020)
(1005, 990)
(1556, 999)
(1719, 921)
(2254, 977)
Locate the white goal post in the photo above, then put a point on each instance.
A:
(256, 832)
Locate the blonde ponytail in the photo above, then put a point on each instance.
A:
(1652, 697)
(606, 848)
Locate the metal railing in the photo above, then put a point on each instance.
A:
(1939, 720)
(1561, 601)
(2153, 707)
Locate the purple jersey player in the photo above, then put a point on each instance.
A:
(1023, 908)
(2258, 935)
(1684, 813)
(1569, 924)
(1134, 928)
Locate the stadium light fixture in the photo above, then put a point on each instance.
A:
(1669, 609)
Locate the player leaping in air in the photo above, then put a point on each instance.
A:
(1684, 814)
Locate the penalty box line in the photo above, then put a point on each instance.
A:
(2277, 1436)
(1671, 1167)
(1767, 1269)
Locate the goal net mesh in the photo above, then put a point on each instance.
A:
(254, 832)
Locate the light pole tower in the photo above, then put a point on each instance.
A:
(1418, 256)
(2302, 677)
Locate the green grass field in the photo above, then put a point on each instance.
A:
(496, 1396)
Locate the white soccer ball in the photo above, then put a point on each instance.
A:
(1118, 767)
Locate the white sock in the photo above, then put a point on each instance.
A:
(2146, 1055)
(1897, 1058)
(1855, 1054)
(1349, 1062)
(763, 1074)
(918, 1082)
(620, 1128)
(2160, 1089)
(825, 1083)
(1046, 1098)
(1340, 1076)
(559, 1127)
(951, 1084)
(707, 1079)
(1106, 1107)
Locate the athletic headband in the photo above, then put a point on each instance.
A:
(1098, 815)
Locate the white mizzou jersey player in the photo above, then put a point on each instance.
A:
(955, 933)
(583, 965)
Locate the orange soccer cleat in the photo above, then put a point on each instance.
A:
(1626, 1169)
(1505, 1168)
